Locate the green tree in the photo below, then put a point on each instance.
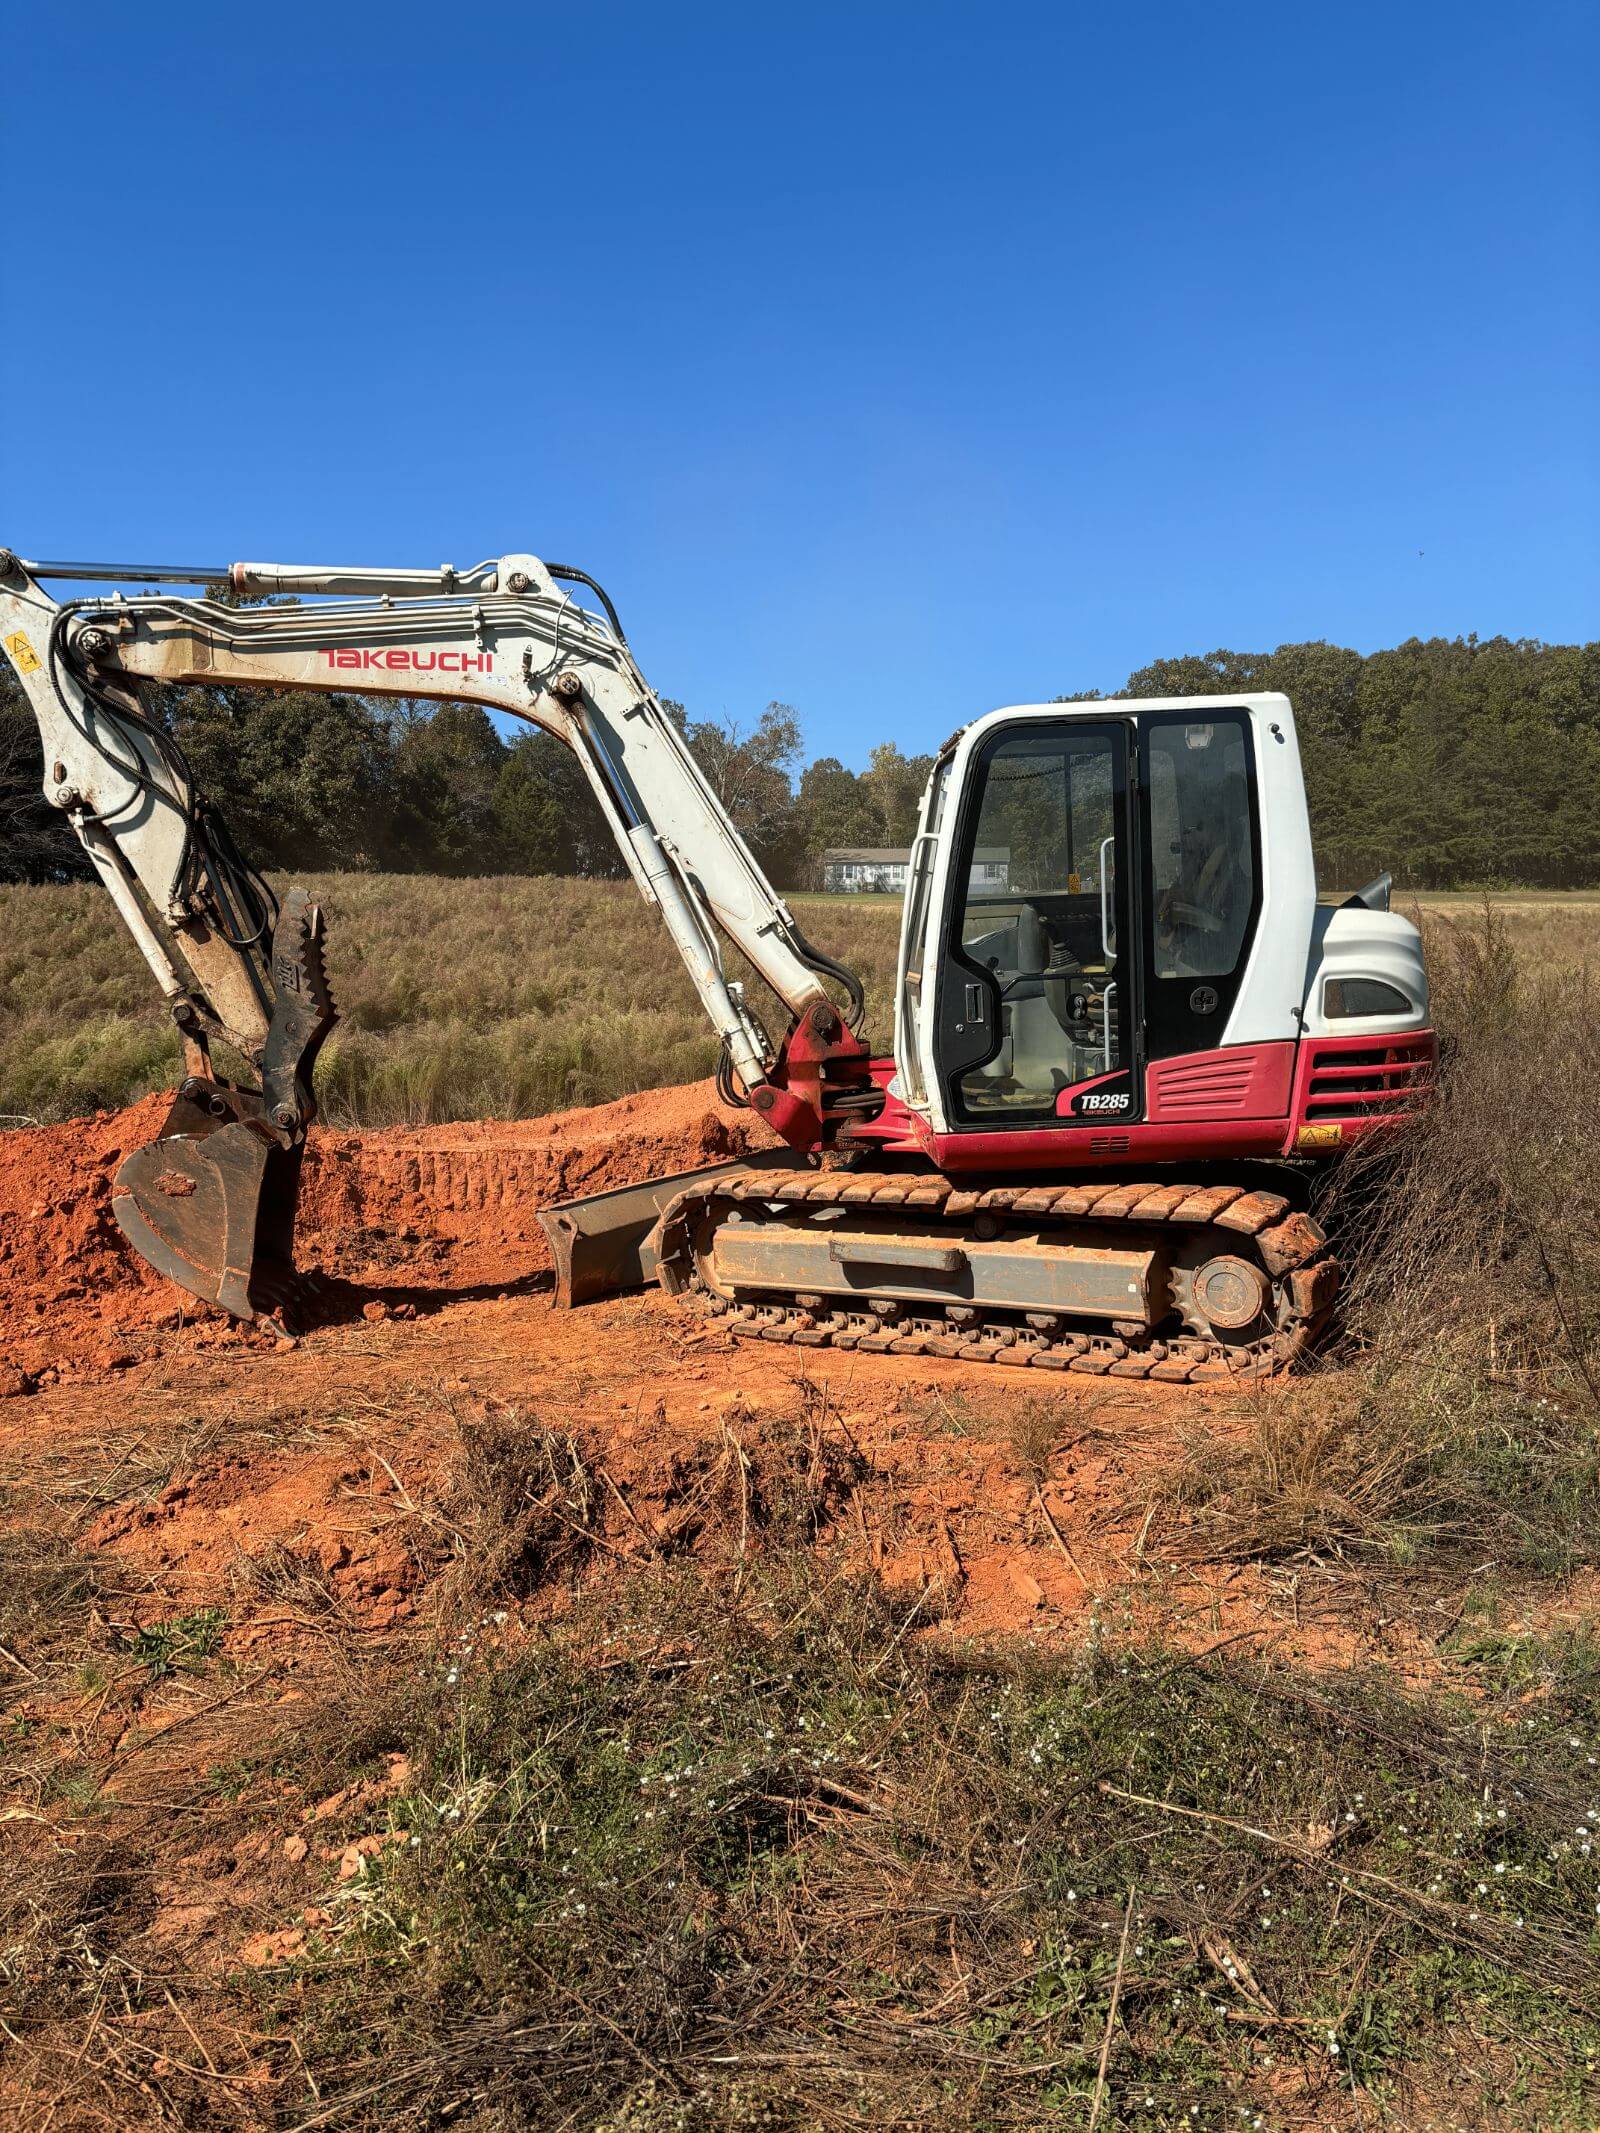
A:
(448, 762)
(303, 779)
(833, 809)
(751, 774)
(36, 841)
(1453, 761)
(894, 784)
(549, 819)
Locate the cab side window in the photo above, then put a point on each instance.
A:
(1202, 848)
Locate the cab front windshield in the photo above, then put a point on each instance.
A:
(1040, 916)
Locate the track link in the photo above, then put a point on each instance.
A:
(1302, 1276)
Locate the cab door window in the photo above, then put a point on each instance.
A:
(1036, 995)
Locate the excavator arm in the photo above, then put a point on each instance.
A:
(211, 1202)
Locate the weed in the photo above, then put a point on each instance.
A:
(754, 1855)
(47, 1590)
(181, 1644)
(1463, 1420)
(521, 1508)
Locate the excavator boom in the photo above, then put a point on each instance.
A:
(211, 1203)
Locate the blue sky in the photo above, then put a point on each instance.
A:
(894, 361)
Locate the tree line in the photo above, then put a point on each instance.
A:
(1453, 761)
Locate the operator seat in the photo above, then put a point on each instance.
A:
(1033, 1055)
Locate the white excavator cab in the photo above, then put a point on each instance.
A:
(1111, 922)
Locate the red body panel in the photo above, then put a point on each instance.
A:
(1240, 1081)
(1084, 1147)
(1356, 1083)
(1243, 1100)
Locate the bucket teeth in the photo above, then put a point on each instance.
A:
(298, 969)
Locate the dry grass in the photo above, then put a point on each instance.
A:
(1461, 1413)
(728, 1841)
(525, 1507)
(520, 1507)
(723, 1854)
(497, 998)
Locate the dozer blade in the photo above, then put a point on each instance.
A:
(210, 1203)
(601, 1245)
(211, 1206)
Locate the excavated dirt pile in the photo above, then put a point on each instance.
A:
(436, 1210)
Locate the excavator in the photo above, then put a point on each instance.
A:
(1128, 1042)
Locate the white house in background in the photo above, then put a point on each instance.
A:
(848, 872)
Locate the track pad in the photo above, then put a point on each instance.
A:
(213, 1210)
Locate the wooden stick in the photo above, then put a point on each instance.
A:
(1111, 2017)
(1060, 1539)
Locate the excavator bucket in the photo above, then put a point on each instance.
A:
(211, 1202)
(211, 1205)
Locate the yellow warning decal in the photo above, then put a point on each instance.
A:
(23, 656)
(1319, 1136)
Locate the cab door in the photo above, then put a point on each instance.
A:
(1037, 1003)
(1202, 874)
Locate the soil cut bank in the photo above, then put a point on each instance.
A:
(439, 1211)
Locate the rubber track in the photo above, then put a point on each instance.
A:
(1291, 1245)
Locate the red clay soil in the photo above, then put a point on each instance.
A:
(440, 1209)
(1013, 1502)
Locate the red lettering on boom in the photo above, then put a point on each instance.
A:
(398, 662)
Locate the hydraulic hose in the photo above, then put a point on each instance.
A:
(582, 577)
(727, 1083)
(243, 905)
(826, 967)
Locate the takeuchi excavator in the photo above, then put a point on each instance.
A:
(1128, 1038)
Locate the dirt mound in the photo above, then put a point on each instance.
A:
(467, 1196)
(442, 1208)
(69, 1283)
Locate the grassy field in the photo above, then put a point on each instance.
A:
(499, 998)
(459, 999)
